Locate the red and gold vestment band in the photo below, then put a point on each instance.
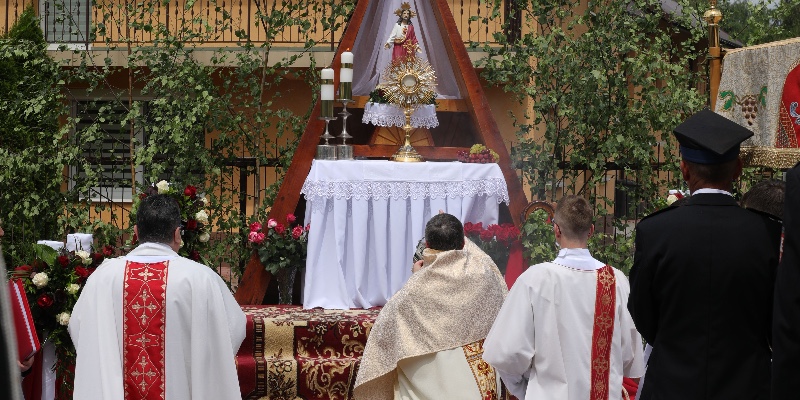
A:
(603, 332)
(143, 335)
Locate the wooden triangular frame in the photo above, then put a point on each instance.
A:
(255, 279)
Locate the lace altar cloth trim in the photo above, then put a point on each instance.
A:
(391, 115)
(366, 190)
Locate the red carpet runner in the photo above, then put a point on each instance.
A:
(292, 353)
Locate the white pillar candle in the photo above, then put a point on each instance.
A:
(327, 84)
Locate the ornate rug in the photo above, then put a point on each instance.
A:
(291, 353)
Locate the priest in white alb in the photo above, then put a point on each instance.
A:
(564, 331)
(154, 325)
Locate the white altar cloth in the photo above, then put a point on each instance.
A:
(367, 216)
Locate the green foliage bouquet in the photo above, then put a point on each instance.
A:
(53, 282)
(280, 245)
(194, 217)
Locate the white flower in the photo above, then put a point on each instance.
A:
(272, 223)
(204, 200)
(40, 280)
(671, 199)
(162, 187)
(63, 318)
(204, 237)
(73, 288)
(85, 257)
(201, 217)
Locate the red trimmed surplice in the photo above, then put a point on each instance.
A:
(602, 333)
(143, 330)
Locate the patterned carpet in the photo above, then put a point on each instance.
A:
(291, 353)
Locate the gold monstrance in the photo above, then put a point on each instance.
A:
(407, 84)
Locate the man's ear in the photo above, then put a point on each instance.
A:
(591, 230)
(176, 236)
(136, 230)
(685, 171)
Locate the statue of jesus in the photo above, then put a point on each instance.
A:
(403, 37)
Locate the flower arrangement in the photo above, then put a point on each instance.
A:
(279, 245)
(495, 240)
(478, 153)
(378, 95)
(674, 195)
(194, 217)
(53, 282)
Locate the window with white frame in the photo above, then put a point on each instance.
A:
(65, 21)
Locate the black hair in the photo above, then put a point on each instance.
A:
(400, 17)
(766, 196)
(714, 173)
(156, 219)
(444, 232)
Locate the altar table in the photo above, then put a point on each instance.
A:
(367, 216)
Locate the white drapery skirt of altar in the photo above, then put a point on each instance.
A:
(367, 216)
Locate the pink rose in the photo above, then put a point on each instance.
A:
(255, 227)
(271, 223)
(256, 237)
(308, 227)
(280, 229)
(290, 218)
(297, 231)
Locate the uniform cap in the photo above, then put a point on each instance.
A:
(709, 138)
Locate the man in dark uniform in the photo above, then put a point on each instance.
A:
(786, 326)
(703, 275)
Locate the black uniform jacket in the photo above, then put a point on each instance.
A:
(786, 327)
(701, 294)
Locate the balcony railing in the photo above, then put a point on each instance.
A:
(207, 21)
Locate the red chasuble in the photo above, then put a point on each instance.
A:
(143, 331)
(603, 331)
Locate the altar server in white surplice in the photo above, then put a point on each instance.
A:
(564, 331)
(153, 324)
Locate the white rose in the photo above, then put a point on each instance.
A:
(40, 280)
(63, 318)
(204, 237)
(671, 199)
(204, 200)
(73, 288)
(85, 257)
(201, 217)
(162, 187)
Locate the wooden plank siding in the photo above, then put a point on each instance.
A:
(243, 18)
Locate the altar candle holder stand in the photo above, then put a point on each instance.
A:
(344, 151)
(326, 151)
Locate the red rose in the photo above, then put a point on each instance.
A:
(487, 235)
(255, 227)
(191, 224)
(279, 229)
(108, 250)
(190, 192)
(308, 227)
(63, 261)
(297, 232)
(290, 218)
(256, 237)
(97, 257)
(45, 300)
(81, 272)
(26, 268)
(142, 196)
(194, 255)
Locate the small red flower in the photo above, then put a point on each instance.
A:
(290, 218)
(97, 257)
(256, 237)
(255, 227)
(190, 192)
(63, 261)
(280, 229)
(194, 255)
(142, 196)
(308, 227)
(486, 235)
(297, 231)
(45, 300)
(81, 272)
(26, 268)
(108, 250)
(191, 224)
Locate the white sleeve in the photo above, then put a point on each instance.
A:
(510, 345)
(395, 32)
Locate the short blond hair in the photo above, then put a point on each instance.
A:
(574, 216)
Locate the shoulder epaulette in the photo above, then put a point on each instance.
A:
(663, 210)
